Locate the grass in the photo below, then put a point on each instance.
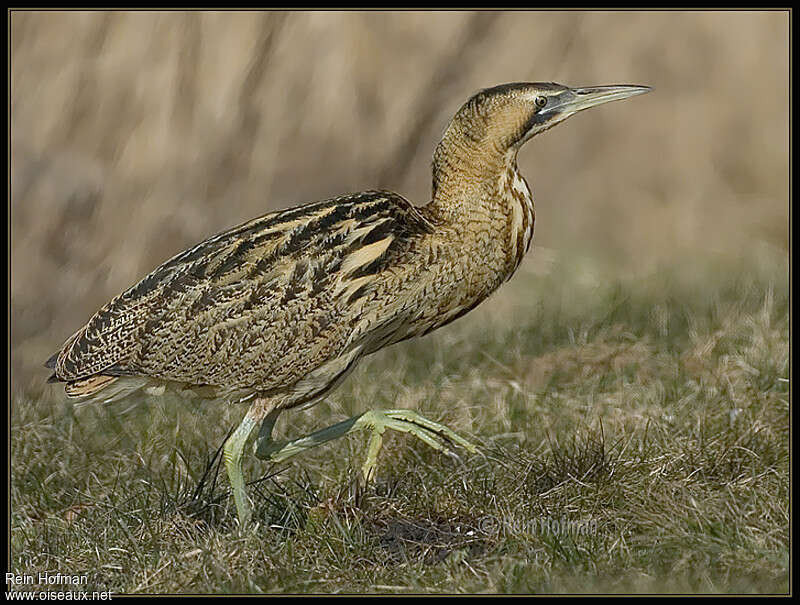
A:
(634, 433)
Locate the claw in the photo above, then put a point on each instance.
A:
(437, 436)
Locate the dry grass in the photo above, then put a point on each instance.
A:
(136, 135)
(633, 374)
(652, 413)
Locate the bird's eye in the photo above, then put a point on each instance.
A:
(541, 101)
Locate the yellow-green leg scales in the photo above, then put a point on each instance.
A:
(434, 434)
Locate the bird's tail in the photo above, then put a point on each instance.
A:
(104, 389)
(86, 387)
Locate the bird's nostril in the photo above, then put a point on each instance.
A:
(280, 309)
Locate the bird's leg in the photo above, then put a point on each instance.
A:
(264, 444)
(434, 434)
(234, 448)
(233, 451)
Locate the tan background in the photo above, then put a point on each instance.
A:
(135, 135)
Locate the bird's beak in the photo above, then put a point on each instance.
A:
(579, 99)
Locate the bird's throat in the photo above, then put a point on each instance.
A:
(484, 201)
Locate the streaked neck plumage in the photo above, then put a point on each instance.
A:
(477, 185)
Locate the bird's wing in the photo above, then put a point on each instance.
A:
(237, 302)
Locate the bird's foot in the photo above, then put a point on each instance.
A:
(436, 435)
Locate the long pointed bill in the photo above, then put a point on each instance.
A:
(584, 98)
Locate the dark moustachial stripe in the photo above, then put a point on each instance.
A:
(278, 310)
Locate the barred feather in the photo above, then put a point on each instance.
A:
(286, 304)
(282, 282)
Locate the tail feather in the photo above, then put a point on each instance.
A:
(102, 388)
(51, 363)
(88, 386)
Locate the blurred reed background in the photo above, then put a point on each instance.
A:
(137, 134)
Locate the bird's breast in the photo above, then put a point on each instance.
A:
(517, 201)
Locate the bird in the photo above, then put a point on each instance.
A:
(277, 311)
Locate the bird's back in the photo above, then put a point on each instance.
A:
(287, 301)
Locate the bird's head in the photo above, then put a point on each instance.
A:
(496, 121)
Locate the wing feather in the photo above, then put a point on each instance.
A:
(229, 310)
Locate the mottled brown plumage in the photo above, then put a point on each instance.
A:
(283, 307)
(259, 307)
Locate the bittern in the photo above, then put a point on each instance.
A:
(279, 310)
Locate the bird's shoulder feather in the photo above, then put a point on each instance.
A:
(324, 252)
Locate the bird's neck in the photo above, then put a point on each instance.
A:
(479, 188)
